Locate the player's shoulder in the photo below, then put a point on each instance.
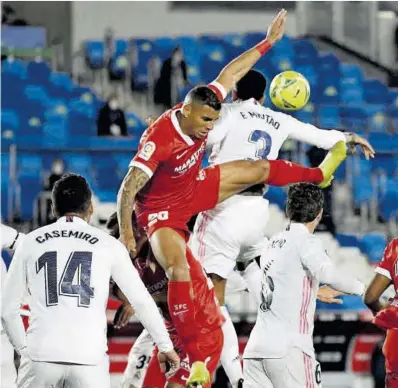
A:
(391, 250)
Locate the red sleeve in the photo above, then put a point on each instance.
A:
(153, 150)
(385, 267)
(217, 88)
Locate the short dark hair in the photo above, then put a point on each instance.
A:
(71, 194)
(203, 95)
(252, 85)
(304, 202)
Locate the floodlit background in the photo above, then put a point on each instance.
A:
(79, 78)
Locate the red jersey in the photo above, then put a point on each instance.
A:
(208, 315)
(173, 161)
(389, 264)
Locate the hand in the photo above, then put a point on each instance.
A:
(171, 358)
(128, 241)
(328, 295)
(277, 27)
(123, 315)
(353, 140)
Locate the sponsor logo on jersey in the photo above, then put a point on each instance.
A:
(262, 116)
(147, 150)
(182, 169)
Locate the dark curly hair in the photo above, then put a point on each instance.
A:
(71, 194)
(304, 202)
(252, 85)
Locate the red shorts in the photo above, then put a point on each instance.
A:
(211, 346)
(205, 198)
(390, 351)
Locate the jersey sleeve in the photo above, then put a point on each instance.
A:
(385, 266)
(310, 134)
(128, 280)
(10, 238)
(12, 294)
(153, 149)
(217, 88)
(315, 259)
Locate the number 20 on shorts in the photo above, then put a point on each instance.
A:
(155, 217)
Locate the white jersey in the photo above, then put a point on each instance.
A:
(67, 266)
(248, 130)
(293, 265)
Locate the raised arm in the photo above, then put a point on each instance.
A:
(135, 179)
(236, 69)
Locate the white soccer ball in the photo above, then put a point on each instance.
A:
(289, 90)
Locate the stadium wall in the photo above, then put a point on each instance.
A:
(149, 19)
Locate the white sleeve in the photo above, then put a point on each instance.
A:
(10, 237)
(220, 130)
(310, 134)
(315, 259)
(12, 294)
(130, 283)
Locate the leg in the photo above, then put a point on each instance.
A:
(169, 248)
(255, 375)
(139, 358)
(36, 374)
(89, 376)
(241, 174)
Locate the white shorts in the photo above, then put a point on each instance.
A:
(8, 371)
(139, 357)
(295, 370)
(233, 231)
(39, 374)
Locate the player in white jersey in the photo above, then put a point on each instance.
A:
(280, 351)
(10, 239)
(67, 266)
(234, 231)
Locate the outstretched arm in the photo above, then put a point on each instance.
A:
(374, 291)
(236, 69)
(133, 182)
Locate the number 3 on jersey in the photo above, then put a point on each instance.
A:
(79, 262)
(263, 143)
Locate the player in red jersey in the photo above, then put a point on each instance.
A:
(208, 315)
(387, 316)
(166, 186)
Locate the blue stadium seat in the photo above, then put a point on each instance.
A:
(78, 163)
(388, 203)
(122, 164)
(10, 120)
(145, 50)
(121, 47)
(5, 159)
(235, 39)
(38, 72)
(347, 240)
(353, 118)
(351, 94)
(283, 48)
(95, 53)
(60, 85)
(386, 163)
(55, 134)
(277, 196)
(135, 125)
(351, 75)
(382, 142)
(362, 190)
(309, 72)
(15, 67)
(375, 92)
(281, 62)
(306, 114)
(377, 118)
(36, 93)
(212, 61)
(373, 245)
(84, 94)
(329, 64)
(305, 52)
(329, 116)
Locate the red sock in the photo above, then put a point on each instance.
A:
(283, 173)
(182, 311)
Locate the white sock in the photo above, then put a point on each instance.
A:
(252, 276)
(230, 359)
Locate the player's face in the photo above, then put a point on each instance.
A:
(201, 120)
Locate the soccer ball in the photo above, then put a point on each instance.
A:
(289, 90)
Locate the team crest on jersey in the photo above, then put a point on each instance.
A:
(147, 150)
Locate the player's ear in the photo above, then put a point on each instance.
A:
(53, 211)
(262, 100)
(186, 110)
(91, 208)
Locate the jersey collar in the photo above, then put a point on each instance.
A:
(177, 127)
(72, 220)
(297, 226)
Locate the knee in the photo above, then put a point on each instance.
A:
(177, 269)
(260, 170)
